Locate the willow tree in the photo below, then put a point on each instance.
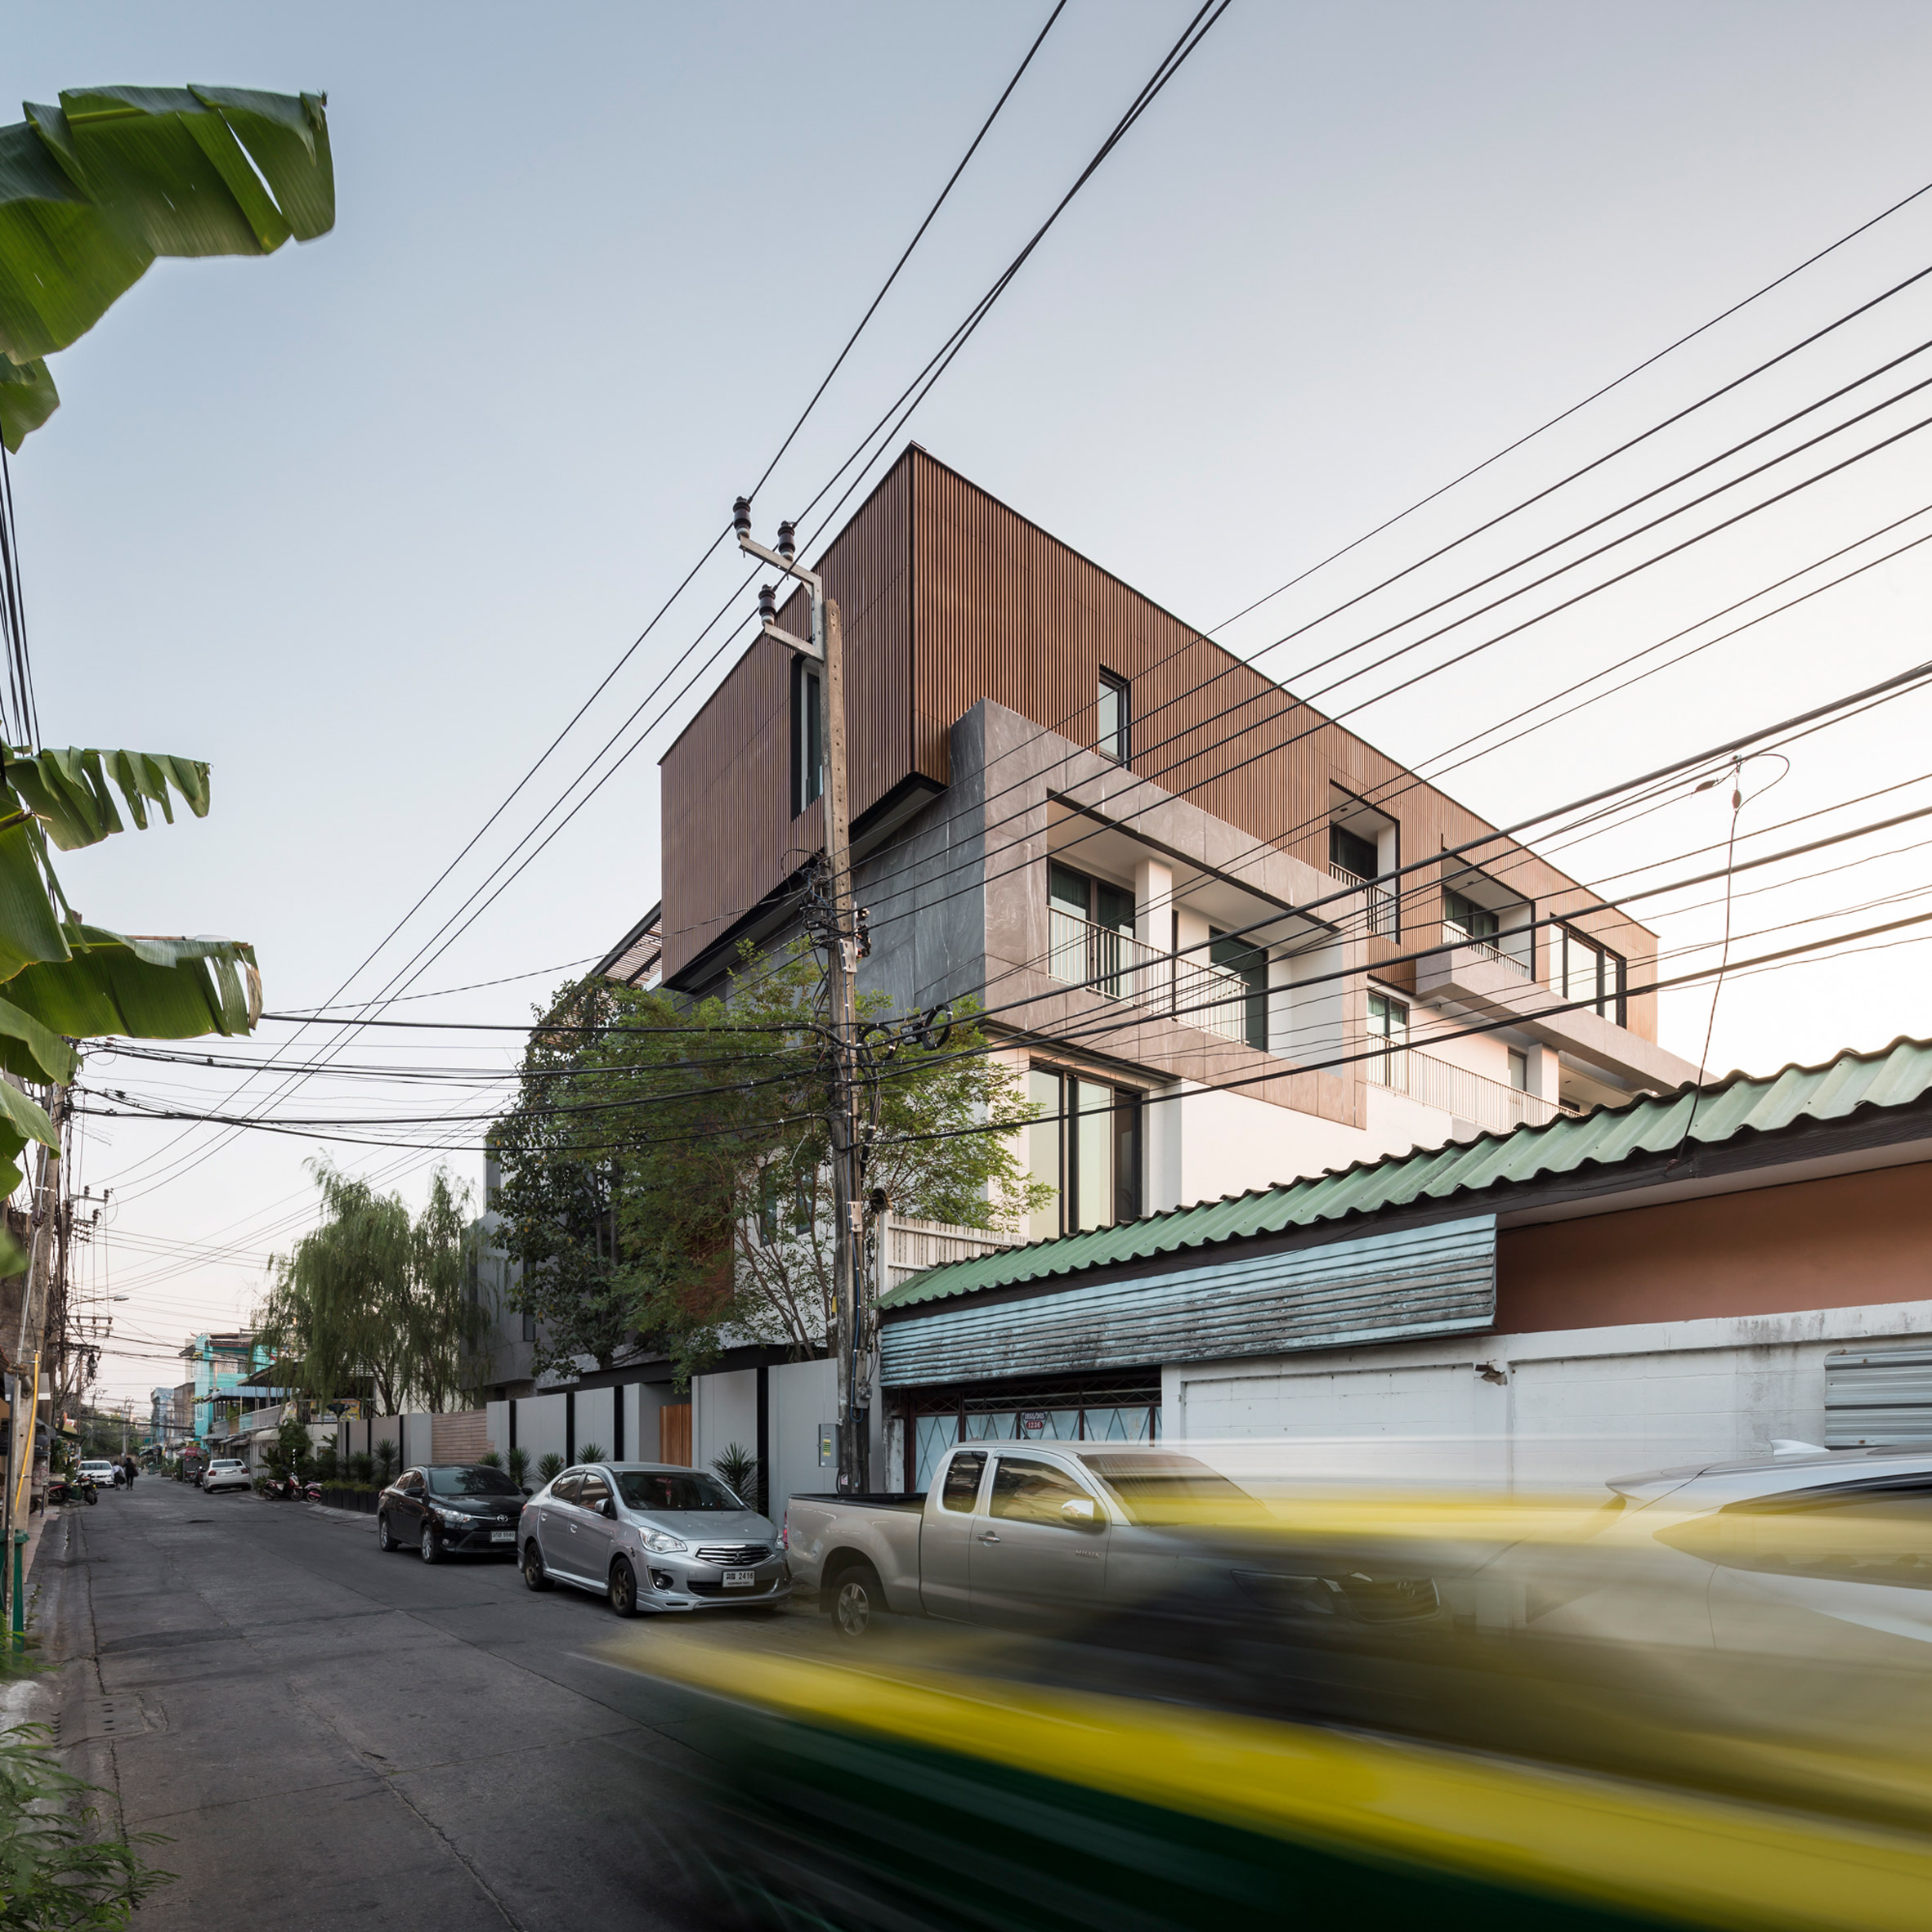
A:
(371, 1298)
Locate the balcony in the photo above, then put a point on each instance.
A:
(1491, 1104)
(1378, 901)
(1120, 967)
(1456, 935)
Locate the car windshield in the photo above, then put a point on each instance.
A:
(1173, 1489)
(674, 1489)
(471, 1479)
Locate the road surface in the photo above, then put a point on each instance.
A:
(333, 1736)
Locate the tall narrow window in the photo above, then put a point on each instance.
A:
(1086, 1147)
(1473, 921)
(1351, 852)
(1110, 733)
(808, 744)
(1519, 1069)
(1248, 963)
(1388, 1026)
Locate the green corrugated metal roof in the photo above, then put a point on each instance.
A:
(1897, 1075)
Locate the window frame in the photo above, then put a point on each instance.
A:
(1250, 962)
(1126, 1149)
(1612, 967)
(807, 736)
(1121, 748)
(1380, 1063)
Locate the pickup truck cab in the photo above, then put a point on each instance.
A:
(1017, 1534)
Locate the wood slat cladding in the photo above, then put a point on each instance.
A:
(948, 598)
(729, 836)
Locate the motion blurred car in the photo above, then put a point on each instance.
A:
(455, 1509)
(654, 1537)
(226, 1472)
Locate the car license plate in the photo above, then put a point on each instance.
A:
(502, 1535)
(740, 1578)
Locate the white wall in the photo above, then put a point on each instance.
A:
(724, 1409)
(802, 1395)
(1575, 1405)
(596, 1410)
(539, 1429)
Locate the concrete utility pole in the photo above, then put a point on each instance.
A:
(826, 647)
(23, 1396)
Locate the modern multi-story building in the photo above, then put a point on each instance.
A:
(1225, 942)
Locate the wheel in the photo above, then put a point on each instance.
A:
(623, 1588)
(534, 1573)
(858, 1601)
(430, 1549)
(384, 1542)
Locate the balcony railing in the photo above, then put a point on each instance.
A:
(1378, 901)
(1491, 1104)
(1456, 935)
(1115, 963)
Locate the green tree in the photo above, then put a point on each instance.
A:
(705, 1122)
(371, 1295)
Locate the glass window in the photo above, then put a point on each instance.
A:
(1109, 710)
(1388, 1020)
(471, 1479)
(1086, 1146)
(1586, 973)
(1028, 1492)
(1161, 1488)
(1044, 1141)
(592, 1493)
(674, 1489)
(1249, 963)
(1879, 1532)
(1478, 921)
(1070, 889)
(563, 1489)
(962, 1481)
(808, 748)
(1519, 1069)
(1352, 852)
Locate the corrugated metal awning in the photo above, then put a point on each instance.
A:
(1879, 1398)
(1422, 1281)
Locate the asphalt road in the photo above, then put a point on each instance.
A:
(333, 1736)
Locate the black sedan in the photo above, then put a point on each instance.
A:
(450, 1508)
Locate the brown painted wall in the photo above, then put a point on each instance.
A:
(1829, 1244)
(949, 597)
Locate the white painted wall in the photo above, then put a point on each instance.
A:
(1577, 1405)
(802, 1395)
(596, 1409)
(539, 1429)
(724, 1409)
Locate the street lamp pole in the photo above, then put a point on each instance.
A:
(826, 647)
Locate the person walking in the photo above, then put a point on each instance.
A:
(128, 1469)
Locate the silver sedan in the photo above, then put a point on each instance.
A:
(651, 1536)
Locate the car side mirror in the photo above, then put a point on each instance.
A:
(608, 1507)
(1084, 1512)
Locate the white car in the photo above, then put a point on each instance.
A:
(100, 1471)
(226, 1472)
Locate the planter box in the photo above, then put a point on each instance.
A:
(336, 1498)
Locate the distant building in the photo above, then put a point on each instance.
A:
(220, 1362)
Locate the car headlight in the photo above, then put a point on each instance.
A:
(661, 1543)
(454, 1518)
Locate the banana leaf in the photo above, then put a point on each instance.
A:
(28, 397)
(92, 190)
(146, 988)
(68, 789)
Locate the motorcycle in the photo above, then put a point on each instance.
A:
(312, 1491)
(286, 1488)
(85, 1488)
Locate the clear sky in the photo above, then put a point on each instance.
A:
(364, 523)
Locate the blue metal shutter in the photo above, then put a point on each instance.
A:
(1431, 1281)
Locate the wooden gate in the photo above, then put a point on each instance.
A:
(674, 1433)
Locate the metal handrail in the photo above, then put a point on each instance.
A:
(1491, 1104)
(1456, 935)
(1379, 901)
(1118, 966)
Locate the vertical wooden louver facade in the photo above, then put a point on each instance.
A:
(949, 597)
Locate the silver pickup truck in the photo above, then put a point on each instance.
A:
(1011, 1534)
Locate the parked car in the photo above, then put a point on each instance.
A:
(226, 1472)
(651, 1536)
(1813, 1554)
(100, 1471)
(1032, 1533)
(441, 1509)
